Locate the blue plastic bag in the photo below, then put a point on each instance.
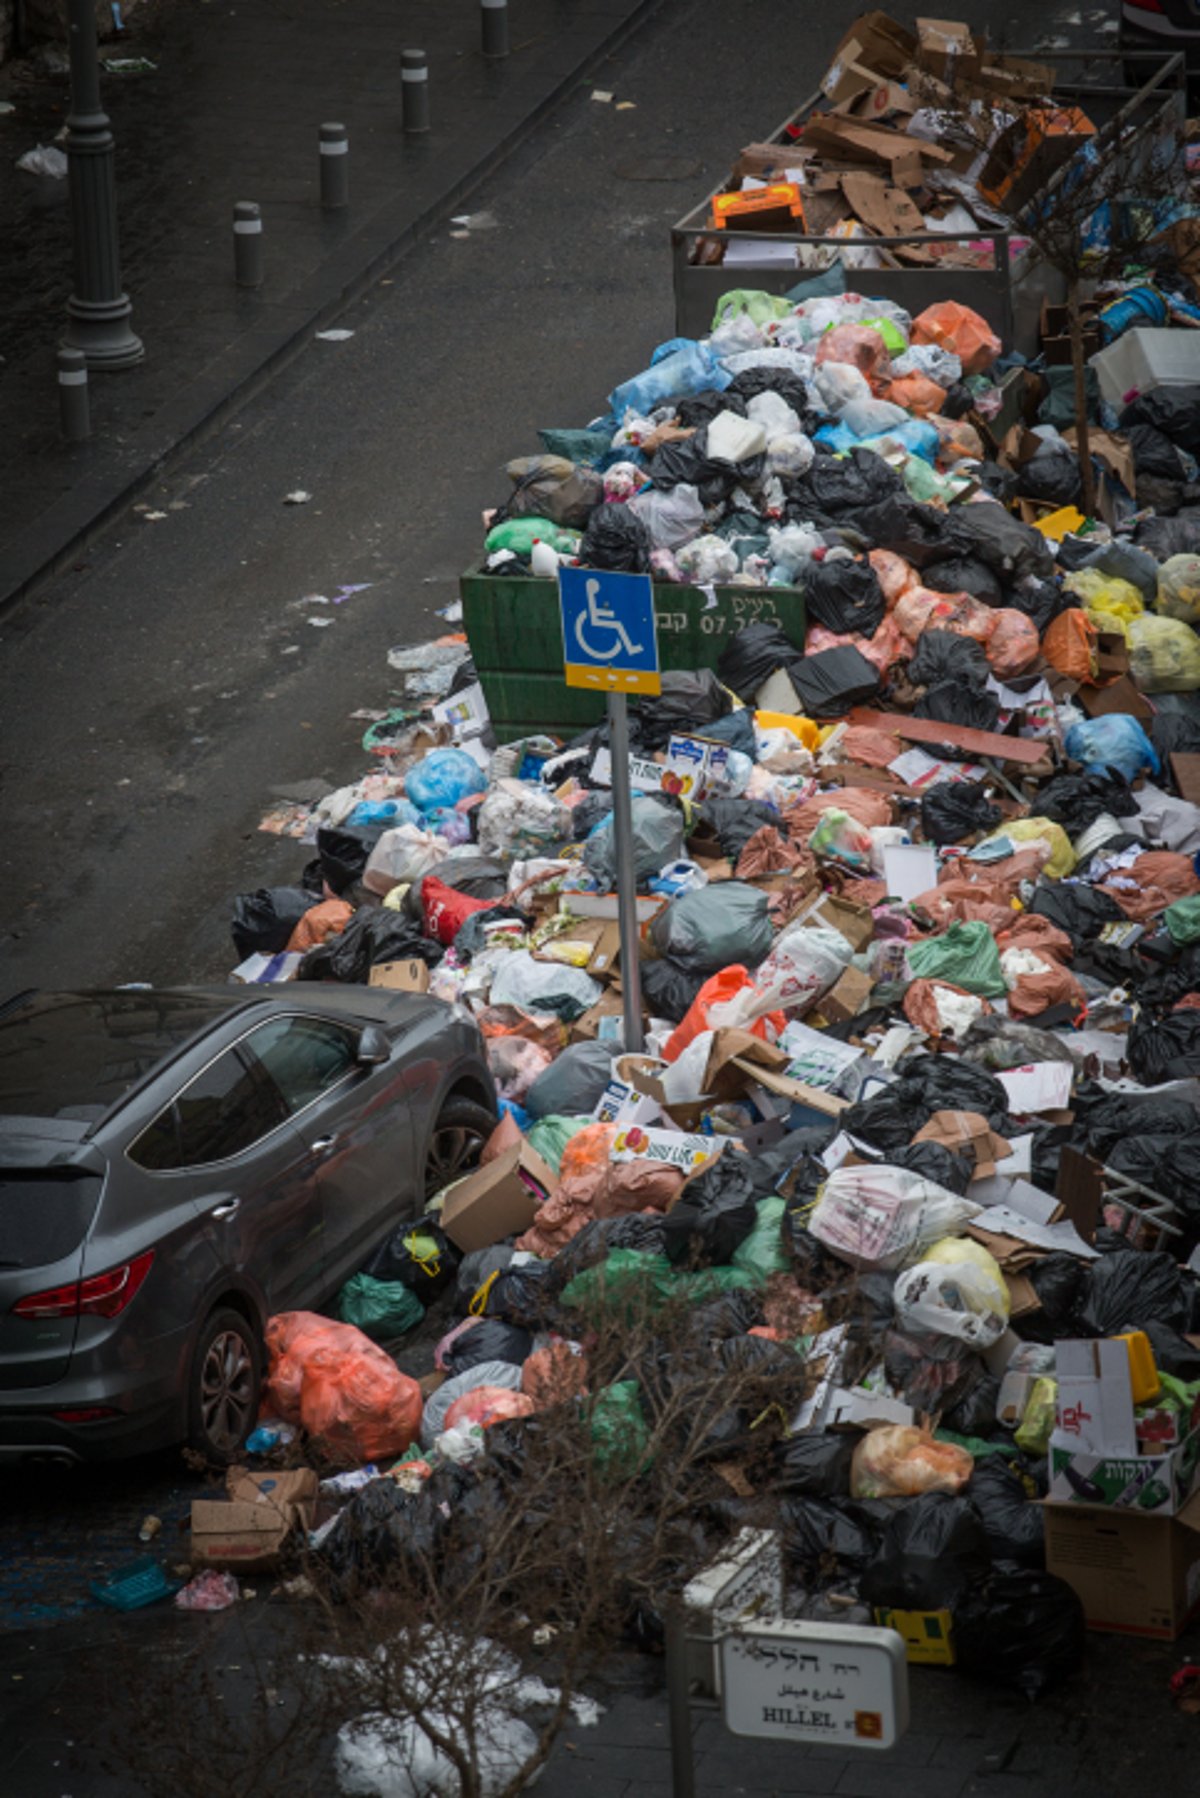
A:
(684, 367)
(1113, 741)
(443, 778)
(389, 812)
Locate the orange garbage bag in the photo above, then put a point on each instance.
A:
(959, 901)
(508, 1020)
(719, 989)
(486, 1405)
(862, 346)
(956, 328)
(329, 918)
(958, 441)
(1031, 931)
(1151, 883)
(921, 1006)
(1035, 993)
(864, 804)
(339, 1386)
(1070, 644)
(900, 1461)
(888, 646)
(1014, 643)
(894, 574)
(872, 748)
(917, 393)
(553, 1375)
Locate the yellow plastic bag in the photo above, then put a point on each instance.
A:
(1032, 830)
(1164, 655)
(1105, 593)
(1179, 589)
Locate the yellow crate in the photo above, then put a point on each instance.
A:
(928, 1635)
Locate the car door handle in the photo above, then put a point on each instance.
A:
(323, 1145)
(227, 1209)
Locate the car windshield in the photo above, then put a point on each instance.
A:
(73, 1055)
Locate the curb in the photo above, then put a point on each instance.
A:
(60, 533)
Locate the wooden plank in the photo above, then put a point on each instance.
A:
(976, 742)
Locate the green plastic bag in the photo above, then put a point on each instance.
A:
(1183, 919)
(585, 447)
(620, 1434)
(519, 534)
(550, 1136)
(891, 333)
(630, 1282)
(966, 955)
(760, 308)
(761, 1253)
(381, 1309)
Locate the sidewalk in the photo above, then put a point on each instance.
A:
(230, 113)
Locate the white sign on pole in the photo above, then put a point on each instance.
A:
(816, 1682)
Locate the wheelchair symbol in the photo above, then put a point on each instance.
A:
(600, 617)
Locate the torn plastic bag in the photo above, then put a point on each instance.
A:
(690, 700)
(934, 1550)
(1168, 1050)
(952, 811)
(519, 818)
(615, 539)
(668, 989)
(814, 1463)
(373, 934)
(1131, 1285)
(828, 684)
(752, 655)
(844, 596)
(486, 1339)
(657, 840)
(1019, 1628)
(965, 574)
(1014, 1525)
(714, 927)
(263, 921)
(715, 1211)
(344, 852)
(573, 1083)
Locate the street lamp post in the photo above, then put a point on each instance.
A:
(98, 312)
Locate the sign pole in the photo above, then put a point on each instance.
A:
(622, 792)
(683, 1766)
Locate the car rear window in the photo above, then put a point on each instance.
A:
(44, 1214)
(73, 1055)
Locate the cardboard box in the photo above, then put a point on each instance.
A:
(967, 1133)
(1135, 1575)
(497, 1200)
(1094, 1407)
(846, 997)
(946, 49)
(1152, 1485)
(854, 921)
(600, 938)
(840, 139)
(875, 46)
(247, 1532)
(928, 1636)
(401, 976)
(1029, 151)
(643, 1074)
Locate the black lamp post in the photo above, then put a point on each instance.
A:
(98, 312)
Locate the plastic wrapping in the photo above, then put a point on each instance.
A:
(883, 1217)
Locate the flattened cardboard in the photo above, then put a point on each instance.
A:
(846, 997)
(401, 976)
(887, 210)
(1135, 1575)
(853, 921)
(875, 45)
(497, 1200)
(976, 742)
(248, 1531)
(947, 50)
(841, 139)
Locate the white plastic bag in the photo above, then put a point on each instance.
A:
(402, 856)
(883, 1217)
(708, 559)
(791, 454)
(672, 517)
(804, 963)
(521, 818)
(542, 985)
(956, 1290)
(773, 413)
(840, 384)
(793, 546)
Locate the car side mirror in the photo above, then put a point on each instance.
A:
(373, 1047)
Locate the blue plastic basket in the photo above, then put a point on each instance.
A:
(136, 1584)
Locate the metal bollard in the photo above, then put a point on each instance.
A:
(73, 408)
(335, 167)
(247, 244)
(414, 90)
(494, 19)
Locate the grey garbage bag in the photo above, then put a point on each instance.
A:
(714, 927)
(572, 1084)
(657, 840)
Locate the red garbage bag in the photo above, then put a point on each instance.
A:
(446, 910)
(338, 1385)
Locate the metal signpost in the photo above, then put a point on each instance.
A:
(610, 646)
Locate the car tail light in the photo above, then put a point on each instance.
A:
(100, 1295)
(1146, 5)
(84, 1414)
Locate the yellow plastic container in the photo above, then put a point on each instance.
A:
(808, 733)
(1143, 1374)
(927, 1635)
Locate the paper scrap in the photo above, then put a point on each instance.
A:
(335, 336)
(297, 498)
(1038, 1086)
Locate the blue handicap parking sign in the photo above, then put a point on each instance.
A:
(609, 640)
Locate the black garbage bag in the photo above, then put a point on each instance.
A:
(933, 1551)
(1061, 1283)
(974, 1414)
(1077, 800)
(690, 699)
(1131, 1285)
(1155, 454)
(904, 526)
(992, 535)
(616, 539)
(521, 1295)
(716, 1210)
(343, 851)
(752, 655)
(844, 596)
(829, 683)
(929, 1083)
(951, 812)
(1020, 1628)
(944, 656)
(1172, 1351)
(476, 875)
(750, 382)
(679, 461)
(1166, 1050)
(821, 1535)
(373, 934)
(734, 821)
(1014, 1524)
(697, 409)
(573, 1083)
(471, 937)
(1001, 483)
(1040, 600)
(1001, 1043)
(814, 1463)
(473, 1273)
(951, 703)
(669, 989)
(774, 1166)
(408, 1257)
(1174, 733)
(730, 1314)
(965, 574)
(488, 1339)
(1081, 911)
(736, 729)
(1112, 1118)
(1169, 1165)
(934, 1161)
(1167, 537)
(1051, 474)
(958, 401)
(377, 1530)
(263, 921)
(1175, 411)
(637, 1230)
(930, 1373)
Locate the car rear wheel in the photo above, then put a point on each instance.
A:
(462, 1128)
(225, 1385)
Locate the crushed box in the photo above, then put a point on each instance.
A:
(498, 1199)
(248, 1530)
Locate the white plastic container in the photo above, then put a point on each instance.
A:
(1145, 358)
